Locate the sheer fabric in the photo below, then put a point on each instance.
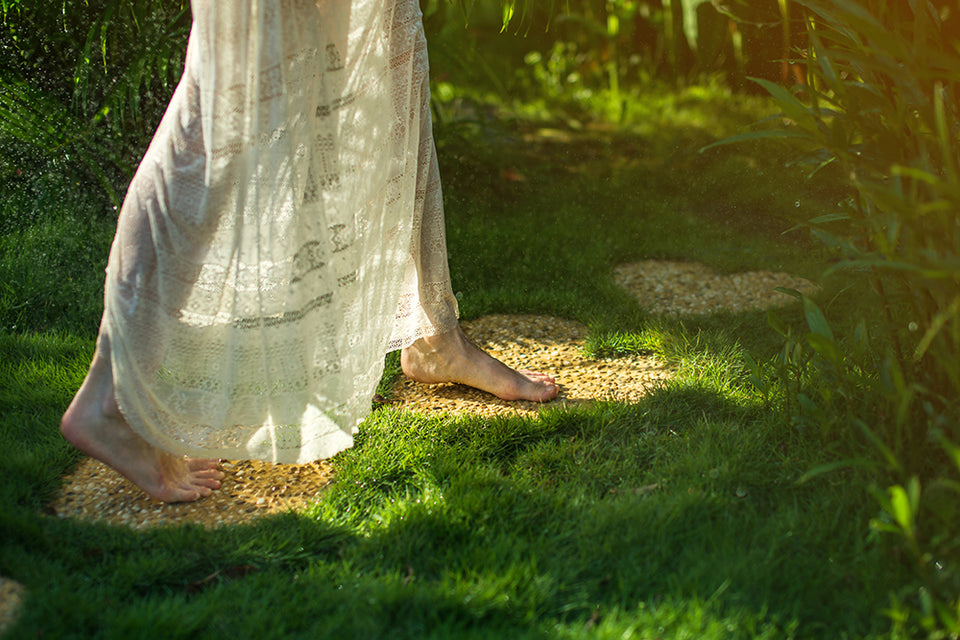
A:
(283, 231)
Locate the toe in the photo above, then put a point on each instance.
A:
(200, 464)
(208, 474)
(179, 494)
(210, 483)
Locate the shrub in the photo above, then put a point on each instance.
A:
(880, 102)
(87, 81)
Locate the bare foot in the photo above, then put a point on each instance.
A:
(451, 357)
(94, 425)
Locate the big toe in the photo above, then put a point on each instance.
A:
(539, 388)
(548, 392)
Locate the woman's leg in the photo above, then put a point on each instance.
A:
(94, 422)
(447, 355)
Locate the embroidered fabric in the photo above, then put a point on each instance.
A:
(283, 231)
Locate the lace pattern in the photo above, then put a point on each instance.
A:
(282, 232)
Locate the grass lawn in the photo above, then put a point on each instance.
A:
(676, 517)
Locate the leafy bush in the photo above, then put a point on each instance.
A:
(880, 102)
(87, 81)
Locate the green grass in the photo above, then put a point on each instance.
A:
(676, 517)
(54, 238)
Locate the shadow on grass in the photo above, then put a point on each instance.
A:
(677, 515)
(582, 523)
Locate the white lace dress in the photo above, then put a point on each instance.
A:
(283, 231)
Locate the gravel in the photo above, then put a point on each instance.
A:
(687, 288)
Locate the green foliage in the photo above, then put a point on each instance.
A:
(833, 383)
(586, 59)
(87, 81)
(881, 103)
